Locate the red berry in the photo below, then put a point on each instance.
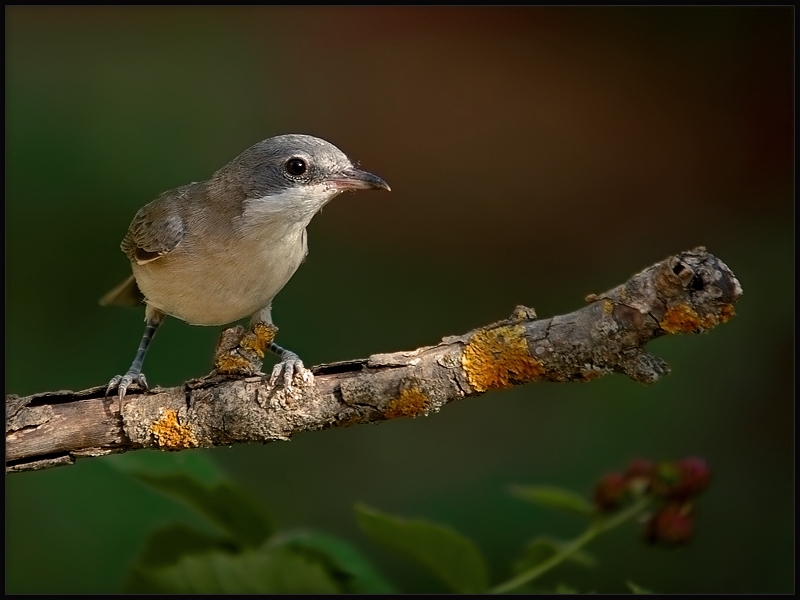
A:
(673, 524)
(694, 477)
(681, 480)
(610, 492)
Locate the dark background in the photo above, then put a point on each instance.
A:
(535, 155)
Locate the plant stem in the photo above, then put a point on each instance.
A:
(579, 542)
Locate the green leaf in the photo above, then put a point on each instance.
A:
(258, 571)
(196, 464)
(224, 504)
(450, 556)
(343, 563)
(167, 545)
(544, 548)
(554, 497)
(637, 589)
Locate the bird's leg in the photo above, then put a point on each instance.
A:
(290, 366)
(240, 352)
(153, 319)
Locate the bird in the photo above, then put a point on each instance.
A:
(213, 252)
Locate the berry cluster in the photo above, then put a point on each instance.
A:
(672, 485)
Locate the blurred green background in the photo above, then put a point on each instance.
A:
(535, 155)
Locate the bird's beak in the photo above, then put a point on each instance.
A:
(356, 179)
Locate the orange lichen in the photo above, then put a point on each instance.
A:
(499, 358)
(231, 363)
(411, 402)
(238, 351)
(683, 319)
(259, 339)
(726, 313)
(170, 434)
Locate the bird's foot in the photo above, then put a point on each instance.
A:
(290, 381)
(289, 370)
(121, 383)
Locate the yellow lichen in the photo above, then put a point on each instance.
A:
(683, 319)
(411, 402)
(499, 358)
(229, 359)
(259, 339)
(170, 434)
(232, 364)
(680, 318)
(608, 306)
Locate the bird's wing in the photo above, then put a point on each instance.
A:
(156, 229)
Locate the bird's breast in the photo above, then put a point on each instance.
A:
(216, 282)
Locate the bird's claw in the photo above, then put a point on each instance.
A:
(290, 368)
(122, 382)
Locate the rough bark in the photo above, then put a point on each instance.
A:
(690, 292)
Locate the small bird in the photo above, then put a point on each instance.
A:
(216, 251)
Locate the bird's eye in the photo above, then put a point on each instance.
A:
(296, 166)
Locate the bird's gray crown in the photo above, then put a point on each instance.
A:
(283, 162)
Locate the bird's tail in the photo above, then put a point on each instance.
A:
(125, 294)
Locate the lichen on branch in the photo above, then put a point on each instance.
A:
(691, 292)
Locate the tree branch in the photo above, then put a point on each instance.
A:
(691, 292)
